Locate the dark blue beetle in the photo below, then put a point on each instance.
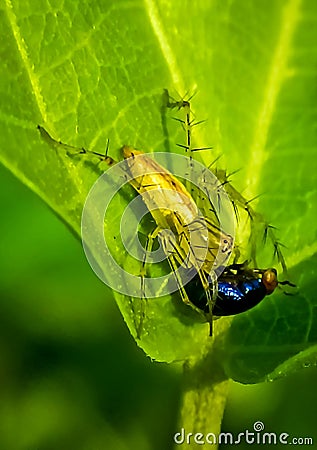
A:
(239, 289)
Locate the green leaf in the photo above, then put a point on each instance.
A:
(279, 337)
(89, 71)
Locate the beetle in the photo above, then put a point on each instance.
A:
(239, 289)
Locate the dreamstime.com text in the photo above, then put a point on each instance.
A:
(255, 437)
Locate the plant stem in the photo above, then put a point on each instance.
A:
(205, 390)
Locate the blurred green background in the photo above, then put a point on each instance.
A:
(71, 375)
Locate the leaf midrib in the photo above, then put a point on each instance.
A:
(276, 76)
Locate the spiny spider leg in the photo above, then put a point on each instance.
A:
(73, 149)
(256, 219)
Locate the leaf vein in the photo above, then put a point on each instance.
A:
(276, 76)
(164, 44)
(22, 49)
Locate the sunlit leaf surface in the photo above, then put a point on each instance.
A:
(89, 71)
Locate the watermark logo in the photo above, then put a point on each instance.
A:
(258, 426)
(163, 199)
(257, 436)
